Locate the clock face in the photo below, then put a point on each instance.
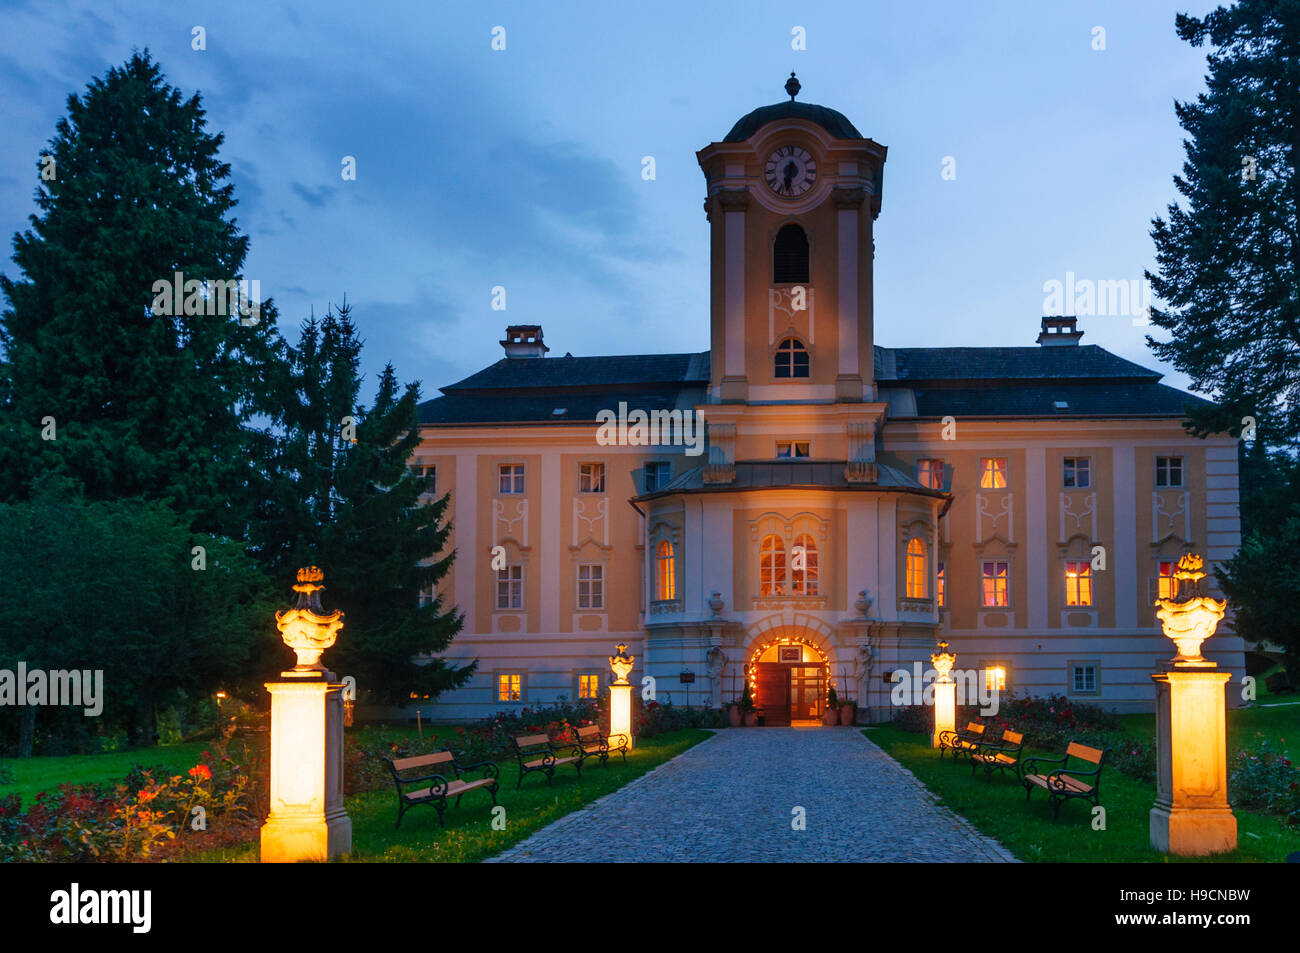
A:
(790, 171)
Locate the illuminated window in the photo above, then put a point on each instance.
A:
(510, 478)
(916, 568)
(588, 685)
(1077, 473)
(591, 586)
(792, 448)
(1078, 584)
(591, 478)
(1168, 585)
(929, 473)
(995, 584)
(995, 678)
(1169, 471)
(510, 687)
(993, 473)
(771, 567)
(791, 359)
(803, 566)
(665, 571)
(939, 588)
(510, 587)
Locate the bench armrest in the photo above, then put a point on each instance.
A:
(1025, 764)
(490, 768)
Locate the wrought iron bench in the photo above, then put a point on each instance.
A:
(538, 753)
(595, 744)
(1002, 756)
(962, 741)
(1065, 782)
(438, 788)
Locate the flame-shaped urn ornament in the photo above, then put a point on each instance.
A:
(943, 661)
(621, 664)
(1189, 617)
(306, 628)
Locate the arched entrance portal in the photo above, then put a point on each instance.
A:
(788, 678)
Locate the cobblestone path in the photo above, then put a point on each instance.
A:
(731, 798)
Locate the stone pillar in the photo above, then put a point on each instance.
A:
(307, 820)
(1191, 815)
(620, 713)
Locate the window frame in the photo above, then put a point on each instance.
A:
(797, 347)
(1168, 465)
(933, 480)
(1082, 580)
(794, 446)
(916, 566)
(665, 583)
(515, 478)
(994, 472)
(593, 475)
(1006, 583)
(1070, 470)
(769, 584)
(811, 570)
(665, 466)
(514, 583)
(520, 676)
(1072, 686)
(595, 583)
(578, 678)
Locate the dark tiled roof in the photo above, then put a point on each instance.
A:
(915, 364)
(801, 474)
(527, 407)
(1103, 399)
(550, 373)
(834, 122)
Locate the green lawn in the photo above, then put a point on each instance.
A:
(998, 807)
(34, 775)
(468, 836)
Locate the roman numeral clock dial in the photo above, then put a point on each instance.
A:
(790, 171)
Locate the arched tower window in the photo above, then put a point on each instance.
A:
(803, 567)
(791, 359)
(790, 255)
(665, 571)
(771, 566)
(916, 569)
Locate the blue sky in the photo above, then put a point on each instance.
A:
(522, 168)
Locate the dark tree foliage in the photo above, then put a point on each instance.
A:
(355, 510)
(142, 403)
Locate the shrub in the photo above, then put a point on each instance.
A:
(1262, 777)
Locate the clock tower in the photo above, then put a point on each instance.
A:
(793, 191)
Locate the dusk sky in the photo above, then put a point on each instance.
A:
(522, 168)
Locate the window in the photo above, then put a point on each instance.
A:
(916, 569)
(510, 478)
(510, 587)
(929, 473)
(792, 448)
(665, 571)
(790, 255)
(1078, 583)
(939, 594)
(791, 359)
(803, 566)
(995, 678)
(1167, 587)
(588, 685)
(995, 584)
(426, 477)
(591, 586)
(426, 595)
(1169, 471)
(771, 566)
(993, 473)
(510, 686)
(658, 474)
(591, 478)
(1077, 475)
(1083, 677)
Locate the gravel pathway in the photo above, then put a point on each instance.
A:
(733, 799)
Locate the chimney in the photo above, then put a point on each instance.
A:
(524, 340)
(1059, 332)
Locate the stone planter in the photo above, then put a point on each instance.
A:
(751, 719)
(831, 717)
(847, 712)
(734, 716)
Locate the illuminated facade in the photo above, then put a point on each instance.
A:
(854, 505)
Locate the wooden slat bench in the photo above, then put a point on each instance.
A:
(538, 753)
(963, 741)
(1065, 781)
(1003, 756)
(595, 744)
(437, 787)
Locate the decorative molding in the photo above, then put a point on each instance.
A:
(499, 520)
(848, 197)
(721, 467)
(734, 200)
(580, 518)
(1088, 504)
(983, 512)
(780, 300)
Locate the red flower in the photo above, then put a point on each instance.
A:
(201, 771)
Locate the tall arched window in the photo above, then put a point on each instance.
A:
(665, 571)
(916, 569)
(791, 359)
(771, 566)
(803, 566)
(790, 255)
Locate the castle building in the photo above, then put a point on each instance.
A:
(853, 504)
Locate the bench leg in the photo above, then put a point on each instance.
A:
(441, 807)
(1029, 789)
(1056, 808)
(493, 791)
(401, 809)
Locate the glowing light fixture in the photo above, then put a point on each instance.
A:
(945, 693)
(620, 696)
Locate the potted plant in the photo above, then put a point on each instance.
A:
(848, 710)
(747, 707)
(832, 715)
(735, 716)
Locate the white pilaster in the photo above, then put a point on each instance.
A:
(1124, 536)
(464, 512)
(1036, 536)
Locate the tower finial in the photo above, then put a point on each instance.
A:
(792, 86)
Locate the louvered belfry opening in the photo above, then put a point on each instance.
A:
(790, 256)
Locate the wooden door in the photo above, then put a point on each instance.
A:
(772, 693)
(807, 685)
